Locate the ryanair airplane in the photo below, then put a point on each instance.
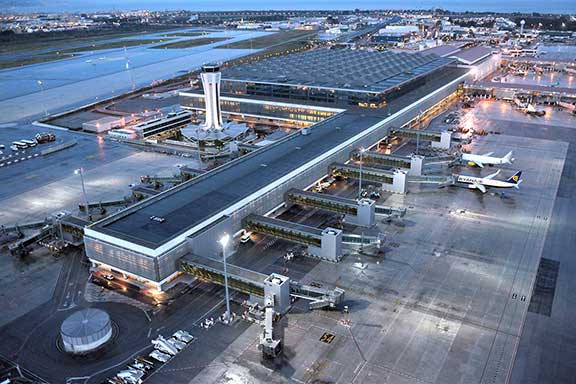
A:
(481, 183)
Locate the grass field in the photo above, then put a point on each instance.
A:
(190, 43)
(269, 40)
(64, 40)
(113, 44)
(32, 60)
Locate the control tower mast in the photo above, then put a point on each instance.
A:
(214, 134)
(211, 83)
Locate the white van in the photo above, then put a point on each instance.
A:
(245, 237)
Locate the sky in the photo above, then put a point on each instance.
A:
(553, 6)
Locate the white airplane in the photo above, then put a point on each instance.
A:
(570, 107)
(531, 110)
(520, 104)
(481, 183)
(486, 159)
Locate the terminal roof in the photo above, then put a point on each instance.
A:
(195, 201)
(472, 55)
(357, 70)
(442, 50)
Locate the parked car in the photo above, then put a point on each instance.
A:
(183, 336)
(140, 366)
(160, 356)
(179, 345)
(145, 361)
(245, 237)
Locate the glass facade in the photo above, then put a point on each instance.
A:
(338, 97)
(164, 125)
(151, 268)
(295, 113)
(297, 92)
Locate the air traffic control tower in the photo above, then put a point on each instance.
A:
(211, 76)
(214, 132)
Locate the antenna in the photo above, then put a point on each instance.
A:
(129, 69)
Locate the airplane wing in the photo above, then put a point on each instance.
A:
(488, 154)
(479, 164)
(480, 187)
(492, 175)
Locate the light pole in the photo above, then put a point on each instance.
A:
(224, 241)
(362, 150)
(80, 171)
(41, 85)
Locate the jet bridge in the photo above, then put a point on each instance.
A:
(322, 243)
(240, 279)
(186, 173)
(412, 163)
(140, 192)
(352, 239)
(261, 285)
(390, 211)
(62, 226)
(20, 247)
(440, 181)
(441, 160)
(21, 227)
(319, 297)
(159, 181)
(358, 212)
(102, 205)
(392, 181)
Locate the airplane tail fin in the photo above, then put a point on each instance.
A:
(508, 158)
(515, 178)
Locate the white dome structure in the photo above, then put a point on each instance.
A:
(86, 331)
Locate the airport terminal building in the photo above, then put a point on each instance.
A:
(146, 241)
(341, 77)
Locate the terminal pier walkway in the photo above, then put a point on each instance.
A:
(252, 283)
(321, 201)
(283, 229)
